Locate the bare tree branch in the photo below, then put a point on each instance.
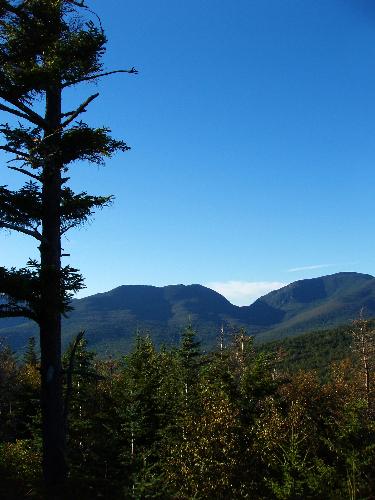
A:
(69, 375)
(67, 113)
(30, 232)
(13, 111)
(79, 110)
(99, 75)
(26, 172)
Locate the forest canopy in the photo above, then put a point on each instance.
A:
(178, 423)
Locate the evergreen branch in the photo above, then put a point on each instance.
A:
(26, 172)
(14, 112)
(32, 115)
(99, 75)
(17, 10)
(68, 227)
(30, 232)
(79, 110)
(14, 151)
(28, 113)
(16, 313)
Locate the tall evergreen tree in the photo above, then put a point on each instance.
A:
(47, 47)
(139, 407)
(190, 357)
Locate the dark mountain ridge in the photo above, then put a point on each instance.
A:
(112, 318)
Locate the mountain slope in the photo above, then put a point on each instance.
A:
(320, 303)
(111, 319)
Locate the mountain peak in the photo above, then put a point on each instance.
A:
(112, 318)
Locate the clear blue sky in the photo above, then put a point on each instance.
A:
(252, 126)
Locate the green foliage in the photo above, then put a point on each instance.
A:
(45, 47)
(20, 469)
(315, 350)
(82, 143)
(179, 424)
(9, 393)
(203, 463)
(22, 289)
(22, 207)
(140, 379)
(31, 357)
(31, 56)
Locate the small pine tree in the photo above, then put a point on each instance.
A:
(189, 354)
(138, 408)
(31, 357)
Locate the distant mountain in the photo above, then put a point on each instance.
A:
(111, 319)
(319, 303)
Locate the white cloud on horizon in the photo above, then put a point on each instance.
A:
(244, 293)
(309, 268)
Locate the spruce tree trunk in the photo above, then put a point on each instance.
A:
(54, 463)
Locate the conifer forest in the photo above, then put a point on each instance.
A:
(179, 423)
(176, 422)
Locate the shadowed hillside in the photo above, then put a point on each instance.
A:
(320, 303)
